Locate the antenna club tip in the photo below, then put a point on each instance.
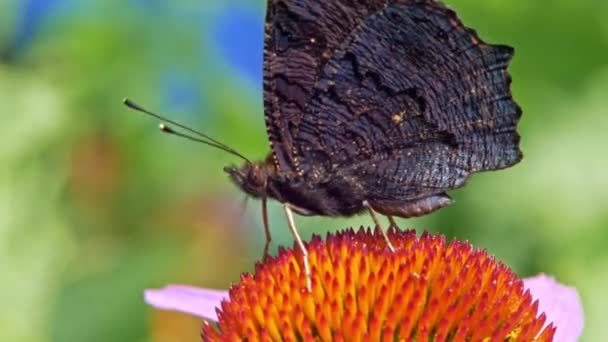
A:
(129, 103)
(165, 128)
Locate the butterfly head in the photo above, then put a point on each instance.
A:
(251, 178)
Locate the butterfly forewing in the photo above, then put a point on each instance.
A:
(300, 38)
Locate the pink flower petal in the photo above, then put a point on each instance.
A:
(560, 303)
(190, 300)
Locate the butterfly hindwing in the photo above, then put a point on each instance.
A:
(410, 99)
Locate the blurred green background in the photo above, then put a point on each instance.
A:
(96, 205)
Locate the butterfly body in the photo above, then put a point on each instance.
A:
(340, 195)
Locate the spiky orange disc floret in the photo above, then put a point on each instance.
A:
(427, 290)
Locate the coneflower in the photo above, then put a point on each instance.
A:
(427, 290)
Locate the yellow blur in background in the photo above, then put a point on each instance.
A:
(96, 205)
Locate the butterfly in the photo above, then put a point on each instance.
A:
(379, 106)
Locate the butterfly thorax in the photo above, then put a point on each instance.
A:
(336, 197)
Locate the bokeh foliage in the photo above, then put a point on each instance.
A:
(95, 205)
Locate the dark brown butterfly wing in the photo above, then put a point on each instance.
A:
(410, 104)
(300, 38)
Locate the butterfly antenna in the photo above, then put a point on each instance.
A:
(204, 138)
(167, 129)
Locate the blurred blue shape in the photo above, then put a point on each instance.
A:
(32, 15)
(181, 91)
(239, 36)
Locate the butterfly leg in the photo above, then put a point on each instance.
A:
(372, 212)
(296, 235)
(266, 227)
(393, 223)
